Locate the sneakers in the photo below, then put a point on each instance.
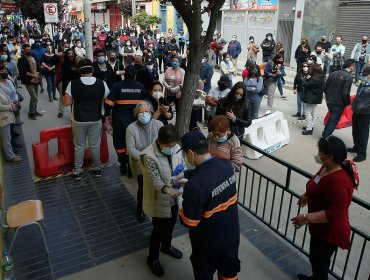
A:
(359, 158)
(15, 159)
(77, 177)
(296, 115)
(97, 173)
(307, 132)
(60, 115)
(301, 118)
(55, 98)
(32, 117)
(37, 114)
(284, 97)
(268, 112)
(155, 267)
(173, 252)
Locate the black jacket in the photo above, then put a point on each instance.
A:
(361, 104)
(24, 67)
(298, 83)
(300, 55)
(268, 47)
(338, 88)
(313, 89)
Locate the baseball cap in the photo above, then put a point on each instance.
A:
(130, 69)
(193, 140)
(366, 70)
(224, 79)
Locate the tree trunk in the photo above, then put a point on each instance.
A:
(197, 47)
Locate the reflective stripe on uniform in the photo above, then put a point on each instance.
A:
(127, 102)
(109, 102)
(120, 151)
(221, 207)
(227, 278)
(187, 221)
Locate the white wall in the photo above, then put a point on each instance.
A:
(297, 31)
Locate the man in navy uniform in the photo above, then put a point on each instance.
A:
(121, 102)
(210, 211)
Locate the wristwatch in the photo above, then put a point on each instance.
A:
(305, 218)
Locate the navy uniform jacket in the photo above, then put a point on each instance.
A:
(122, 100)
(210, 208)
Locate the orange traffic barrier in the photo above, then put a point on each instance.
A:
(345, 119)
(62, 161)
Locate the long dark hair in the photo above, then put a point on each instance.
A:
(335, 147)
(237, 107)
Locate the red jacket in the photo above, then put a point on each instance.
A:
(333, 194)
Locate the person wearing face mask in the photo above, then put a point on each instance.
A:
(328, 197)
(253, 49)
(161, 199)
(117, 68)
(149, 52)
(337, 95)
(108, 42)
(336, 55)
(235, 106)
(139, 135)
(160, 54)
(224, 144)
(302, 52)
(361, 117)
(86, 96)
(102, 36)
(298, 90)
(69, 69)
(268, 47)
(313, 89)
(326, 46)
(11, 48)
(29, 72)
(59, 79)
(171, 49)
(161, 106)
(214, 95)
(48, 64)
(173, 81)
(320, 56)
(227, 68)
(254, 85)
(143, 75)
(128, 53)
(210, 210)
(272, 72)
(10, 64)
(361, 54)
(102, 69)
(7, 117)
(152, 69)
(38, 52)
(182, 41)
(234, 49)
(79, 50)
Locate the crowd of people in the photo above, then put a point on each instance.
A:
(138, 77)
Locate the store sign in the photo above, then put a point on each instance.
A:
(251, 5)
(98, 6)
(51, 12)
(8, 7)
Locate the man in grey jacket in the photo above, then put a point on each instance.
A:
(361, 54)
(361, 117)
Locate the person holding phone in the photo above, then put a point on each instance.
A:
(161, 106)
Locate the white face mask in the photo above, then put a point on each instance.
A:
(269, 38)
(204, 60)
(227, 59)
(150, 67)
(305, 69)
(318, 159)
(157, 94)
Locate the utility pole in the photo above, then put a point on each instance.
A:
(133, 8)
(88, 29)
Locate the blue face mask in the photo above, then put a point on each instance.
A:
(144, 118)
(175, 64)
(222, 139)
(4, 57)
(365, 80)
(101, 59)
(169, 151)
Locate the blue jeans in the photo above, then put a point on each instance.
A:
(51, 82)
(359, 66)
(280, 86)
(336, 112)
(301, 106)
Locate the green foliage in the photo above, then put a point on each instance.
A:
(34, 9)
(146, 21)
(126, 8)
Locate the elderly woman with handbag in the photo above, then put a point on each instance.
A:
(139, 135)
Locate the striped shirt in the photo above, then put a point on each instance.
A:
(229, 150)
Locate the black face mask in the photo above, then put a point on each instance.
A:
(27, 53)
(112, 59)
(323, 40)
(255, 72)
(318, 52)
(222, 86)
(364, 41)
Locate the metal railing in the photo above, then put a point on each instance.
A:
(273, 202)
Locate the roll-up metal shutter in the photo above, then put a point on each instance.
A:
(353, 22)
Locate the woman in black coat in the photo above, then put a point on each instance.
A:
(313, 89)
(236, 107)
